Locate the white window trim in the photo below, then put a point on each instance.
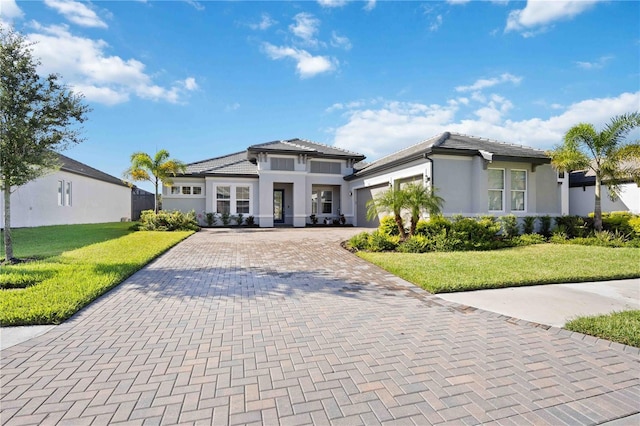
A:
(233, 208)
(179, 194)
(526, 190)
(61, 188)
(504, 189)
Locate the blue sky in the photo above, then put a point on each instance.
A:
(203, 79)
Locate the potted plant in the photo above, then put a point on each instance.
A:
(314, 219)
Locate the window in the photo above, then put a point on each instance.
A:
(223, 199)
(496, 189)
(175, 190)
(242, 199)
(197, 190)
(281, 163)
(67, 194)
(326, 202)
(186, 190)
(328, 167)
(61, 193)
(518, 190)
(314, 202)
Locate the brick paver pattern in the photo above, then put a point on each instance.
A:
(285, 327)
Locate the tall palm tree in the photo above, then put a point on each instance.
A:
(606, 153)
(390, 201)
(419, 198)
(158, 169)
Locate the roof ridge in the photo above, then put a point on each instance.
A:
(216, 158)
(497, 141)
(395, 153)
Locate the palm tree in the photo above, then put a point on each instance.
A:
(606, 153)
(389, 201)
(158, 169)
(419, 198)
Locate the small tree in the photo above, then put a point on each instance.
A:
(605, 153)
(156, 170)
(36, 118)
(419, 198)
(389, 201)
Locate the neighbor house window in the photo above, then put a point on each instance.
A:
(242, 199)
(186, 190)
(67, 194)
(518, 190)
(175, 190)
(328, 167)
(281, 163)
(61, 193)
(223, 199)
(496, 189)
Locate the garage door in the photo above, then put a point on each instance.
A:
(362, 196)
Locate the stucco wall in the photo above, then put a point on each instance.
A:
(92, 201)
(582, 200)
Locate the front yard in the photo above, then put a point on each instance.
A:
(75, 265)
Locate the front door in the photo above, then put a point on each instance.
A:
(278, 205)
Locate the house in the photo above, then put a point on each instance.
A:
(582, 195)
(76, 193)
(286, 182)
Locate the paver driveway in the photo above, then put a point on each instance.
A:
(282, 326)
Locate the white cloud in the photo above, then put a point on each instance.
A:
(458, 1)
(600, 63)
(305, 27)
(436, 23)
(265, 23)
(9, 11)
(484, 83)
(196, 4)
(379, 131)
(106, 79)
(232, 107)
(371, 4)
(307, 64)
(332, 3)
(340, 41)
(538, 14)
(76, 12)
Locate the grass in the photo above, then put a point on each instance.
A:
(537, 264)
(46, 241)
(622, 327)
(57, 286)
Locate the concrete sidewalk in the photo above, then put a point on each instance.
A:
(554, 304)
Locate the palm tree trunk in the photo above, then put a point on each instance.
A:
(155, 199)
(597, 211)
(403, 234)
(8, 243)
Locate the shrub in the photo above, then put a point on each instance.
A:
(359, 241)
(528, 239)
(545, 225)
(168, 221)
(239, 219)
(601, 239)
(379, 241)
(559, 237)
(510, 226)
(634, 223)
(474, 234)
(528, 224)
(250, 221)
(573, 226)
(617, 222)
(226, 219)
(388, 226)
(210, 218)
(433, 226)
(416, 244)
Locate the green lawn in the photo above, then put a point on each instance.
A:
(57, 286)
(529, 265)
(621, 327)
(47, 241)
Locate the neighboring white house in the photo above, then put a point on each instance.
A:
(582, 195)
(285, 182)
(74, 194)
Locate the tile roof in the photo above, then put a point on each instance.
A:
(303, 146)
(72, 166)
(454, 144)
(233, 164)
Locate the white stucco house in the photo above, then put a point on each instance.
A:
(582, 195)
(76, 193)
(285, 182)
